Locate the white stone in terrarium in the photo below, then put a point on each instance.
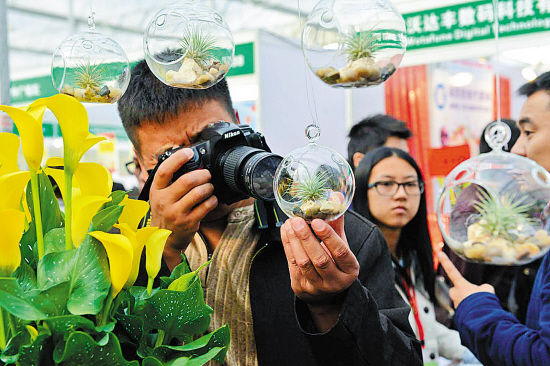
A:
(188, 46)
(494, 207)
(354, 43)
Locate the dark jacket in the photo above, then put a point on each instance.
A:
(496, 337)
(373, 328)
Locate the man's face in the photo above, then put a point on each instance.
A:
(534, 124)
(155, 139)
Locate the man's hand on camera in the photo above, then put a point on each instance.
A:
(319, 271)
(180, 206)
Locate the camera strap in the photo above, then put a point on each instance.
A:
(144, 194)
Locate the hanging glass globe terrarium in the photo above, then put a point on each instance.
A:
(314, 182)
(494, 207)
(188, 46)
(354, 43)
(91, 67)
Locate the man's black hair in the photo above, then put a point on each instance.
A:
(372, 132)
(148, 100)
(542, 82)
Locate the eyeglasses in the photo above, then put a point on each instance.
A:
(390, 188)
(132, 167)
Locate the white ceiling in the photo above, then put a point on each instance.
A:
(37, 27)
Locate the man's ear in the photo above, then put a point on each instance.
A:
(357, 157)
(237, 117)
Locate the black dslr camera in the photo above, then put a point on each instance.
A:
(238, 158)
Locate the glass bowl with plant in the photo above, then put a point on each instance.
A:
(188, 46)
(67, 277)
(314, 182)
(354, 43)
(494, 208)
(91, 67)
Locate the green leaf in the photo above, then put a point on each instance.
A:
(183, 283)
(36, 353)
(106, 218)
(87, 271)
(27, 244)
(66, 323)
(49, 207)
(151, 361)
(11, 352)
(179, 314)
(54, 240)
(177, 272)
(51, 301)
(14, 300)
(218, 339)
(81, 349)
(26, 278)
(202, 359)
(117, 197)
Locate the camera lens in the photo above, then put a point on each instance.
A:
(250, 171)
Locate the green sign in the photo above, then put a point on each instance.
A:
(473, 21)
(243, 61)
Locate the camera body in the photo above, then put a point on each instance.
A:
(238, 158)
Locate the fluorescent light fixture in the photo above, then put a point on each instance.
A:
(461, 79)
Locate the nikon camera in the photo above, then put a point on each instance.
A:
(238, 158)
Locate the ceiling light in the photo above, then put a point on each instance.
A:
(461, 79)
(528, 73)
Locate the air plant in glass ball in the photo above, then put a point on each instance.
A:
(91, 67)
(188, 46)
(314, 182)
(354, 43)
(494, 207)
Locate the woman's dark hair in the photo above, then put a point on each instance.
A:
(414, 240)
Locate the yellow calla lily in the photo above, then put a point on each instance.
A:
(12, 223)
(90, 179)
(120, 253)
(133, 212)
(29, 125)
(73, 120)
(9, 149)
(12, 186)
(154, 247)
(85, 207)
(138, 239)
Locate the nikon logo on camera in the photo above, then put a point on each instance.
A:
(231, 134)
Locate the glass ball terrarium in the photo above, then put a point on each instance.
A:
(494, 207)
(188, 46)
(91, 67)
(354, 43)
(314, 182)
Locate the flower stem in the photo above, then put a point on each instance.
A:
(68, 209)
(150, 285)
(160, 338)
(104, 315)
(2, 331)
(37, 214)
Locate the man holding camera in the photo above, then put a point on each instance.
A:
(288, 299)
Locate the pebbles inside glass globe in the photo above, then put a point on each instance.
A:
(314, 182)
(494, 209)
(354, 43)
(91, 67)
(188, 46)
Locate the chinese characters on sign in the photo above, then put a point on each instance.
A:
(474, 22)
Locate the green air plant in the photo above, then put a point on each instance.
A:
(499, 216)
(312, 188)
(360, 45)
(89, 75)
(198, 45)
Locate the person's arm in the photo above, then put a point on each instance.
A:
(494, 335)
(371, 323)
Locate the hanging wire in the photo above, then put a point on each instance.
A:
(497, 55)
(91, 20)
(313, 130)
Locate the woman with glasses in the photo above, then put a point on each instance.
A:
(390, 193)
